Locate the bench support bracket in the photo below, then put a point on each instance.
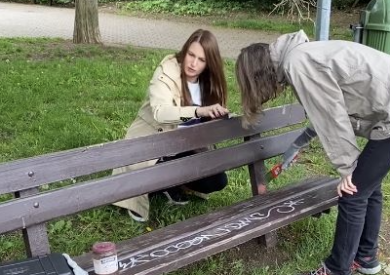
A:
(257, 172)
(35, 237)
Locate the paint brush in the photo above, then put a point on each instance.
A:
(277, 169)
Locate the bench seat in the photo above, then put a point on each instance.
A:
(177, 245)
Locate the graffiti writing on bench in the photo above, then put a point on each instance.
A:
(285, 208)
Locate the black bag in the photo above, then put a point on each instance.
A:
(52, 264)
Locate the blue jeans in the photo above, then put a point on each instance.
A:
(359, 215)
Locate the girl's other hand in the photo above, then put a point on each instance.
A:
(346, 186)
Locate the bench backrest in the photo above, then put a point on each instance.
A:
(30, 208)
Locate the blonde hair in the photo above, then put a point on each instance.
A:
(257, 81)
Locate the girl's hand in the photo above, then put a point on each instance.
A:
(213, 111)
(346, 186)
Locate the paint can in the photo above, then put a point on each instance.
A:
(105, 259)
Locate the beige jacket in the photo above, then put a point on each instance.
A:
(162, 111)
(344, 88)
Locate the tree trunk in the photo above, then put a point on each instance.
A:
(86, 23)
(355, 3)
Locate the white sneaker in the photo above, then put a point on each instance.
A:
(368, 265)
(176, 196)
(135, 216)
(196, 193)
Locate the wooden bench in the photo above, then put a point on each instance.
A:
(182, 243)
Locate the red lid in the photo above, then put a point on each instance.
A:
(103, 247)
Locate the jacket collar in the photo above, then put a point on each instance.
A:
(171, 68)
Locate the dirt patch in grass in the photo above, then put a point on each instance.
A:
(345, 18)
(384, 240)
(254, 254)
(65, 45)
(66, 49)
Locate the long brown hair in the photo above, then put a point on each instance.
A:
(212, 80)
(257, 80)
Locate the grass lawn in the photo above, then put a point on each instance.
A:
(56, 96)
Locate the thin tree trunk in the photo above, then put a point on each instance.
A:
(355, 3)
(86, 23)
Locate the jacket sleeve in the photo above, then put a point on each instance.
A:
(162, 101)
(324, 103)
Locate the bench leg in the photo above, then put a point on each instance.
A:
(318, 215)
(257, 172)
(270, 239)
(36, 241)
(258, 188)
(35, 237)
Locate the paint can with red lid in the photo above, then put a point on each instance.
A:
(105, 259)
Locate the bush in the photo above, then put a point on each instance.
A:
(54, 1)
(346, 4)
(188, 7)
(265, 5)
(201, 7)
(342, 4)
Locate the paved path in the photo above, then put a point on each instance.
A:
(23, 20)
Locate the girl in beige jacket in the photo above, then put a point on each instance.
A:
(188, 85)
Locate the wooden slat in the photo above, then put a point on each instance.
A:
(197, 224)
(32, 172)
(72, 199)
(177, 245)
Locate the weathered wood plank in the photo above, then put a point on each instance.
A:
(33, 172)
(177, 245)
(57, 203)
(197, 224)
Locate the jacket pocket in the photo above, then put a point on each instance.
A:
(361, 127)
(381, 130)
